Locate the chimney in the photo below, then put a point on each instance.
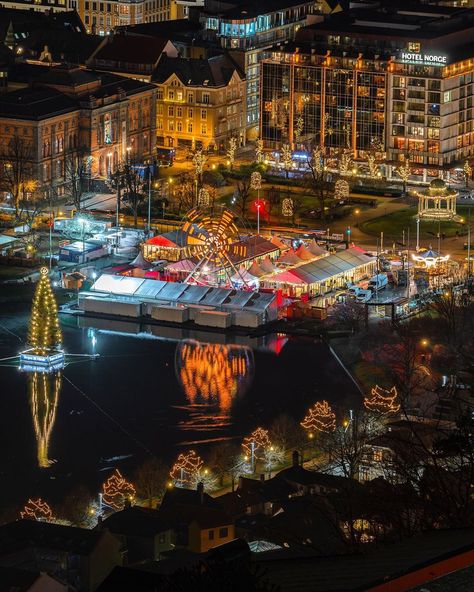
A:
(296, 458)
(200, 490)
(262, 477)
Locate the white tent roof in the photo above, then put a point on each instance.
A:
(243, 275)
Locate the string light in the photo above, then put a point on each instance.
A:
(255, 181)
(204, 198)
(231, 150)
(320, 417)
(44, 329)
(186, 468)
(259, 150)
(116, 490)
(255, 444)
(382, 400)
(37, 509)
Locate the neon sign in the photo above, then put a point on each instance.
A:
(424, 59)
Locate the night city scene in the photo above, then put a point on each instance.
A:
(237, 296)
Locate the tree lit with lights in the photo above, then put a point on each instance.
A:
(187, 469)
(254, 446)
(37, 509)
(320, 418)
(382, 400)
(117, 490)
(44, 331)
(44, 391)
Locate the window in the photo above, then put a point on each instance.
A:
(211, 535)
(447, 96)
(205, 98)
(171, 126)
(203, 129)
(190, 112)
(190, 97)
(159, 94)
(414, 47)
(203, 113)
(179, 112)
(171, 95)
(86, 5)
(179, 126)
(190, 127)
(378, 456)
(223, 532)
(179, 95)
(170, 111)
(159, 109)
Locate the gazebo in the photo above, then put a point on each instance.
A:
(438, 202)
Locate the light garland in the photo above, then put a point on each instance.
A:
(341, 190)
(259, 150)
(255, 181)
(345, 163)
(287, 208)
(199, 160)
(186, 469)
(44, 329)
(382, 400)
(286, 156)
(256, 443)
(231, 150)
(320, 418)
(204, 198)
(116, 490)
(37, 509)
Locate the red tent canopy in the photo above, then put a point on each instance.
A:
(160, 241)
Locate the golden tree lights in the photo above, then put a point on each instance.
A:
(37, 509)
(320, 418)
(382, 400)
(256, 181)
(259, 156)
(44, 396)
(254, 445)
(345, 163)
(287, 207)
(341, 190)
(187, 468)
(116, 490)
(212, 372)
(44, 330)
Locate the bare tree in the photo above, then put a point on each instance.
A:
(77, 166)
(133, 190)
(316, 178)
(16, 169)
(150, 480)
(242, 195)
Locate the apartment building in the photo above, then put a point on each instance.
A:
(200, 102)
(403, 76)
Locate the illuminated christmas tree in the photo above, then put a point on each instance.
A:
(382, 400)
(44, 396)
(44, 332)
(254, 445)
(320, 418)
(37, 510)
(116, 490)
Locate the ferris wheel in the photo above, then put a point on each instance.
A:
(213, 238)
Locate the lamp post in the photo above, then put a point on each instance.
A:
(149, 200)
(417, 233)
(258, 205)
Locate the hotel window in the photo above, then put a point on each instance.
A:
(414, 47)
(447, 96)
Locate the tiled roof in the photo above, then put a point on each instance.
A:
(35, 103)
(217, 71)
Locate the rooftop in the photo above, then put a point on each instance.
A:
(213, 72)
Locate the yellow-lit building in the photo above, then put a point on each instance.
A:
(102, 17)
(200, 102)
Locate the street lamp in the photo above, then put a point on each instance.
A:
(258, 205)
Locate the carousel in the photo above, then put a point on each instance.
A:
(429, 260)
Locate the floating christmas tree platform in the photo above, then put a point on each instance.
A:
(45, 353)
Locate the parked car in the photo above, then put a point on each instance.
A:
(364, 296)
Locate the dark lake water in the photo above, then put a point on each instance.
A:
(153, 391)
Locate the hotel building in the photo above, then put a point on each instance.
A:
(403, 77)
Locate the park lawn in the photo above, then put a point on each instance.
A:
(393, 225)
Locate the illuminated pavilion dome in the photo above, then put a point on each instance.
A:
(438, 202)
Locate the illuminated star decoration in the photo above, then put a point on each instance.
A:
(382, 400)
(37, 509)
(116, 490)
(186, 469)
(258, 441)
(320, 417)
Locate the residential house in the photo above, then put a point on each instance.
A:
(13, 579)
(144, 532)
(200, 102)
(197, 520)
(82, 558)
